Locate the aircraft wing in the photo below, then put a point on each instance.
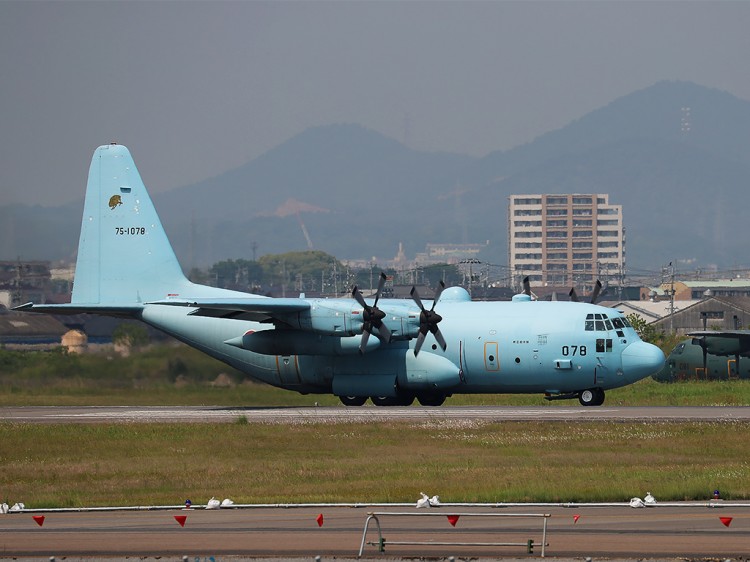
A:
(720, 334)
(723, 342)
(256, 309)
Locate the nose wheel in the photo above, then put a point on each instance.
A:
(591, 397)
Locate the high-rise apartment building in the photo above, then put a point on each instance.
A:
(565, 240)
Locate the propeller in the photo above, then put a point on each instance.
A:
(428, 319)
(372, 315)
(526, 286)
(595, 295)
(597, 290)
(704, 348)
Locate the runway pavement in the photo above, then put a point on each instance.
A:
(597, 532)
(218, 414)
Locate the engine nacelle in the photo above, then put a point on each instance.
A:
(333, 317)
(428, 371)
(297, 342)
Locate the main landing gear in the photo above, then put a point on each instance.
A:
(436, 399)
(591, 397)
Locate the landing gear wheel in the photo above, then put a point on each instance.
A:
(400, 400)
(431, 399)
(405, 400)
(353, 400)
(591, 397)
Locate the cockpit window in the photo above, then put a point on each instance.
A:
(601, 323)
(679, 349)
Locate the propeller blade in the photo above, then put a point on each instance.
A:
(439, 337)
(381, 284)
(372, 316)
(573, 295)
(597, 290)
(526, 286)
(428, 319)
(705, 355)
(359, 298)
(363, 343)
(384, 332)
(438, 292)
(420, 341)
(415, 297)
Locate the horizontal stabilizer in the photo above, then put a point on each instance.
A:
(79, 308)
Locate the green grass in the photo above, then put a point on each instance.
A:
(462, 461)
(71, 465)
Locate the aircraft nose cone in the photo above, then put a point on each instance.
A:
(641, 359)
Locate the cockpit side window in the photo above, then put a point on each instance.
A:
(589, 322)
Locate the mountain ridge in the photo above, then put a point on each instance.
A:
(681, 175)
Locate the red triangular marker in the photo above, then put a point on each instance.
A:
(453, 519)
(726, 521)
(39, 519)
(319, 519)
(181, 519)
(576, 518)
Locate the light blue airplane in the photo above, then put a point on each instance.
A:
(126, 267)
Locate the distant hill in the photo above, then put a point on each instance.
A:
(370, 192)
(681, 175)
(675, 155)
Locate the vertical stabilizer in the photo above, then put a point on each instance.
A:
(124, 256)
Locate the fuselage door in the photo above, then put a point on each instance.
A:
(287, 369)
(608, 346)
(491, 359)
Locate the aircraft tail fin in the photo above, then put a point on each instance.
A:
(124, 255)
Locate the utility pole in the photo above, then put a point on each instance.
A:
(669, 272)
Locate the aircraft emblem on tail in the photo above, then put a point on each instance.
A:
(115, 201)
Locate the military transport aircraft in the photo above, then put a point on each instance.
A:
(709, 355)
(389, 350)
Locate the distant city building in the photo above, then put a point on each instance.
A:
(449, 253)
(565, 240)
(23, 281)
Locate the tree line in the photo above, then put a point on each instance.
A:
(313, 272)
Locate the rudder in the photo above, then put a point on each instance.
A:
(124, 255)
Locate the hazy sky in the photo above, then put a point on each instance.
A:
(196, 88)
